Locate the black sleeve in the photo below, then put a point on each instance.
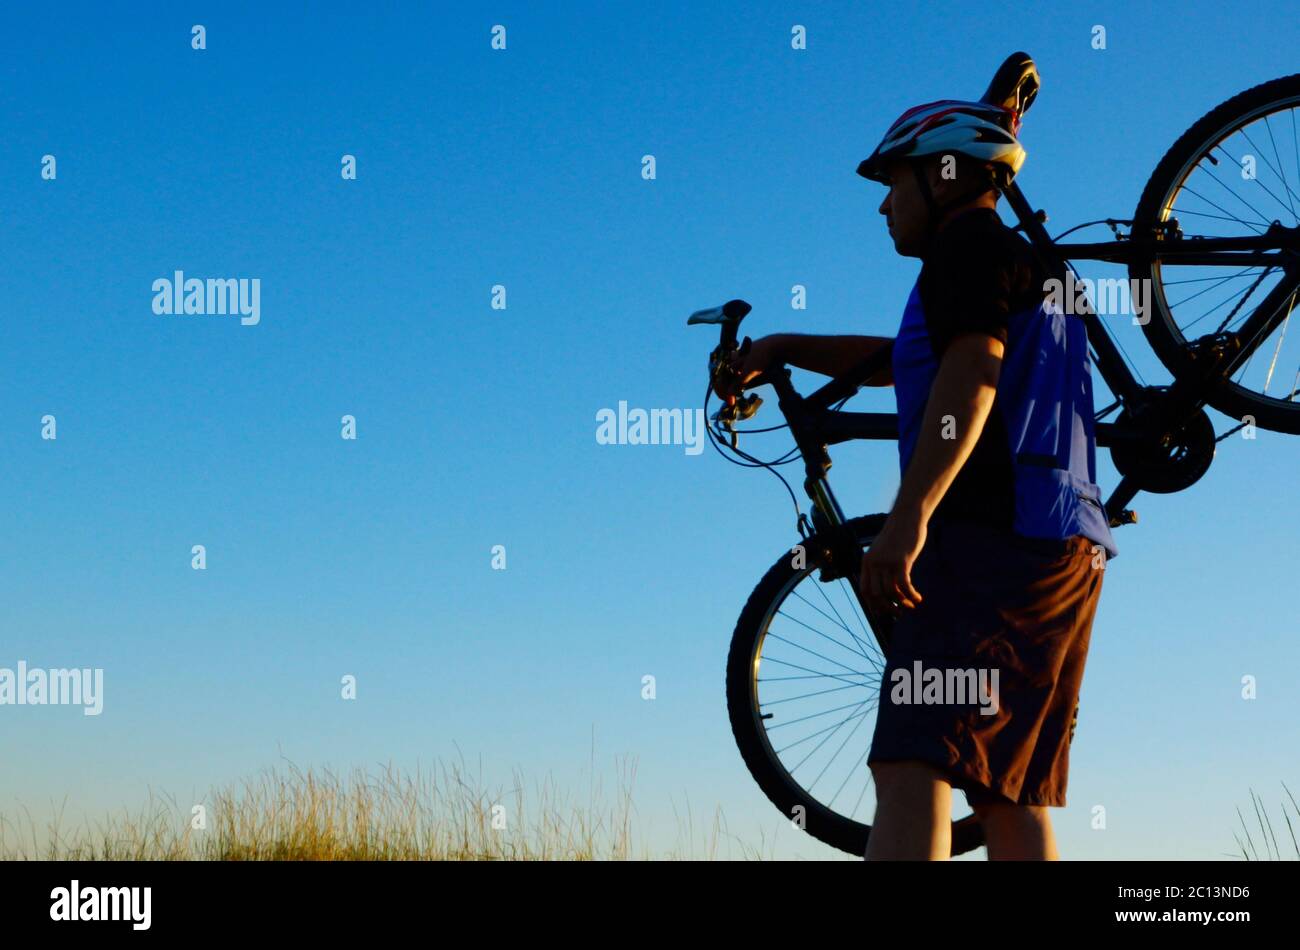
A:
(972, 285)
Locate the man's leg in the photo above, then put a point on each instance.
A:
(913, 813)
(1016, 832)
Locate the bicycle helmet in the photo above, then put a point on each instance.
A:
(978, 130)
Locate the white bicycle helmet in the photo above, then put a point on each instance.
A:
(984, 132)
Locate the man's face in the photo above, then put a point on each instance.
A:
(905, 209)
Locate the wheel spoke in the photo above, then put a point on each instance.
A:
(1268, 377)
(1198, 280)
(796, 666)
(1280, 171)
(1235, 195)
(1216, 217)
(1260, 182)
(839, 622)
(816, 715)
(1242, 302)
(856, 610)
(1206, 290)
(829, 734)
(820, 634)
(821, 692)
(821, 774)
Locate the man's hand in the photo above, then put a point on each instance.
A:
(827, 355)
(886, 582)
(741, 370)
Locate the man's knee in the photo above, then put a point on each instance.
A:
(999, 812)
(905, 779)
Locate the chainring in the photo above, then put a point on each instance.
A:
(1163, 470)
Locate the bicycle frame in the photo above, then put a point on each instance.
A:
(1152, 416)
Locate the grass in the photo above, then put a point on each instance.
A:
(1268, 838)
(287, 814)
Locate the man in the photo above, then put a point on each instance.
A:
(991, 558)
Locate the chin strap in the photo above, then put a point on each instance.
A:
(936, 210)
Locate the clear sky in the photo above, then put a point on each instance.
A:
(476, 426)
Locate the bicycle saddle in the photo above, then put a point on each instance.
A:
(1014, 85)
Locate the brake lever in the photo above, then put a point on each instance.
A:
(745, 408)
(738, 410)
(734, 409)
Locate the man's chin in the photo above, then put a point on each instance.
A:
(904, 247)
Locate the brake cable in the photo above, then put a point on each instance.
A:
(718, 442)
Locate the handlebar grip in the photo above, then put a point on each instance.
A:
(733, 311)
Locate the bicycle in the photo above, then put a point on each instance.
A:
(1162, 440)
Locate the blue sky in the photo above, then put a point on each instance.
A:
(476, 426)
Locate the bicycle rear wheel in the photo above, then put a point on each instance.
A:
(803, 684)
(1232, 174)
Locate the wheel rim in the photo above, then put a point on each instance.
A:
(813, 694)
(1215, 200)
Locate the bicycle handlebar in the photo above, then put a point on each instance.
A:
(735, 409)
(728, 316)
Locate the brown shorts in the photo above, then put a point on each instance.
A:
(1005, 623)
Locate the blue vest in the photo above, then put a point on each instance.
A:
(1045, 396)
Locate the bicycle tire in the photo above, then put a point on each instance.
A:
(823, 823)
(1161, 331)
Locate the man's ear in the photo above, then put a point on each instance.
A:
(944, 173)
(955, 174)
(951, 167)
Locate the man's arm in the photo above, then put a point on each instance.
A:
(828, 355)
(963, 388)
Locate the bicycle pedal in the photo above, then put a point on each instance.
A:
(1127, 516)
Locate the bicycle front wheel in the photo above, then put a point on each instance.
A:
(803, 686)
(1233, 174)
